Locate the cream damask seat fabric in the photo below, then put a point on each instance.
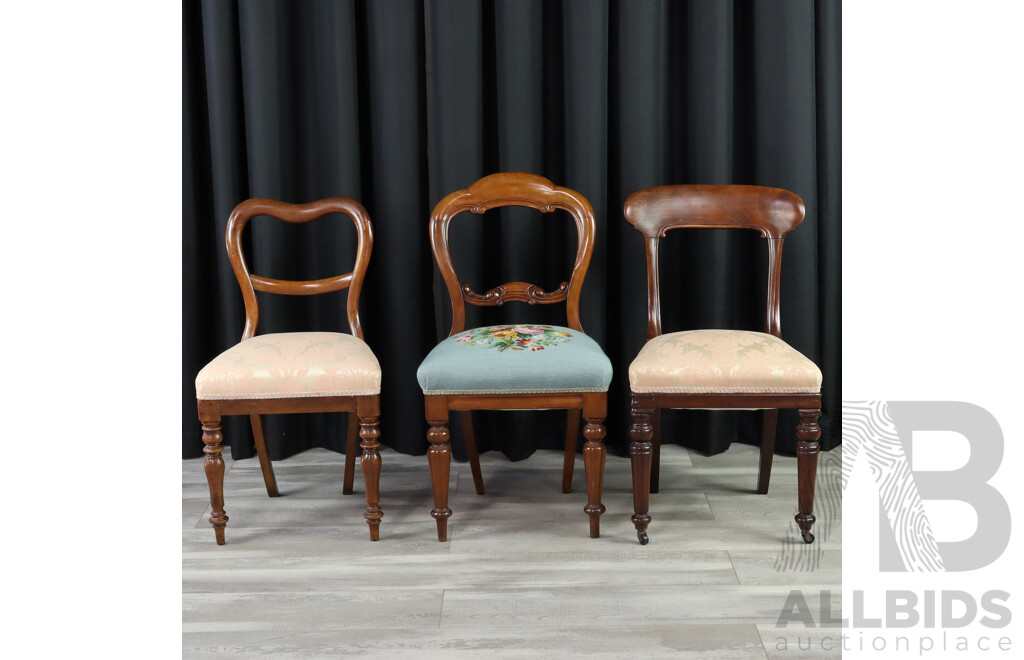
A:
(291, 364)
(722, 361)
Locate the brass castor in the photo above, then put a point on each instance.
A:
(808, 537)
(643, 538)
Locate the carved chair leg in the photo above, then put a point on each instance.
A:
(807, 434)
(351, 448)
(572, 432)
(439, 455)
(656, 455)
(369, 431)
(474, 457)
(261, 450)
(214, 468)
(594, 411)
(641, 452)
(764, 472)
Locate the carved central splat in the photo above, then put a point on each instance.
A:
(515, 292)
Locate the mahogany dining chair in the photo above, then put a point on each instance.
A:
(294, 372)
(515, 366)
(720, 368)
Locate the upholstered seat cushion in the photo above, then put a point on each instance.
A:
(722, 361)
(520, 358)
(291, 364)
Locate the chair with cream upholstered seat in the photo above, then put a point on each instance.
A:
(720, 368)
(294, 372)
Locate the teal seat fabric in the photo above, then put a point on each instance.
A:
(515, 359)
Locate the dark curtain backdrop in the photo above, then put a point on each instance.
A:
(398, 102)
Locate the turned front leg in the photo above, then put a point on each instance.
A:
(593, 464)
(214, 468)
(369, 432)
(641, 451)
(439, 456)
(807, 434)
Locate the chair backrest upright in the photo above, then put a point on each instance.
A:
(298, 214)
(513, 189)
(771, 211)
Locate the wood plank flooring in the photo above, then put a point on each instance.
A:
(519, 576)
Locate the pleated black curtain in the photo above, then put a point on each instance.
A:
(397, 103)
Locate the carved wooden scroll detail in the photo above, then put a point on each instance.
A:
(515, 292)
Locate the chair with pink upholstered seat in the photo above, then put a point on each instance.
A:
(294, 372)
(720, 368)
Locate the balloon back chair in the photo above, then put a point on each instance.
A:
(520, 366)
(295, 372)
(720, 368)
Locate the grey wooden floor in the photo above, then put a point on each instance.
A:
(519, 575)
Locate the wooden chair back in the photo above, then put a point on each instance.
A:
(299, 213)
(513, 189)
(771, 211)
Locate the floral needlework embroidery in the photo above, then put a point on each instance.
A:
(519, 337)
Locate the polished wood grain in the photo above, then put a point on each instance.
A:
(513, 189)
(261, 450)
(764, 471)
(640, 451)
(515, 292)
(214, 468)
(439, 457)
(572, 431)
(474, 457)
(655, 449)
(364, 418)
(368, 411)
(298, 214)
(532, 191)
(350, 453)
(773, 213)
(807, 434)
(595, 409)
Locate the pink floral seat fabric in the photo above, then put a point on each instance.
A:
(722, 361)
(291, 364)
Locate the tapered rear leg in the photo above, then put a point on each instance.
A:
(474, 457)
(351, 449)
(261, 450)
(764, 472)
(656, 450)
(572, 432)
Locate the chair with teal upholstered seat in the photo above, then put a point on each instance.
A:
(515, 359)
(517, 366)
